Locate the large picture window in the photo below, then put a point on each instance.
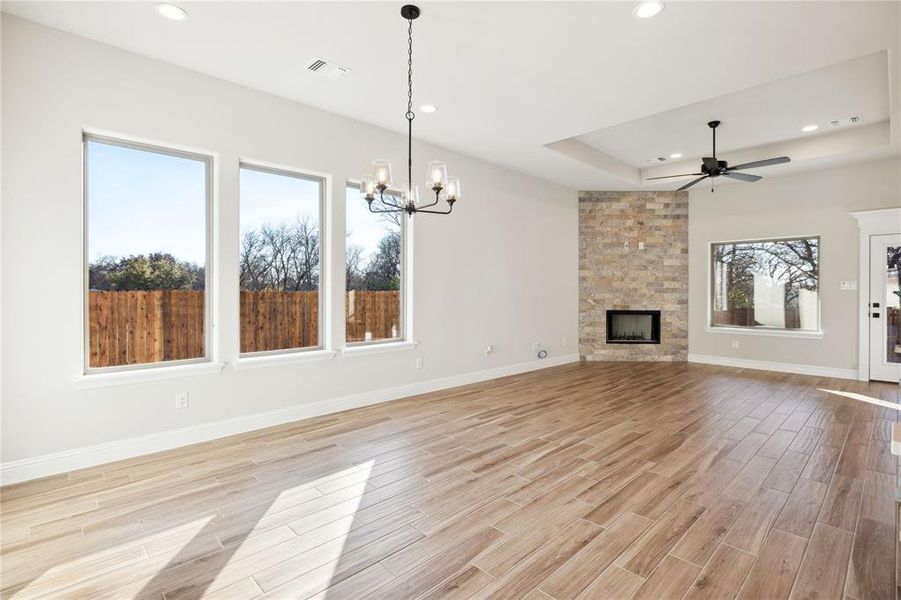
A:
(766, 284)
(147, 247)
(374, 274)
(280, 260)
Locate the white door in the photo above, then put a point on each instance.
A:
(885, 307)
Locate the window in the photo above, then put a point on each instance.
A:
(374, 274)
(766, 284)
(280, 260)
(147, 254)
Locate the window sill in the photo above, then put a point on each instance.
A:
(377, 348)
(98, 380)
(815, 335)
(290, 358)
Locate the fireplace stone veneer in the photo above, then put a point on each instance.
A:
(633, 256)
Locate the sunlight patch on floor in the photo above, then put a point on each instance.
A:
(863, 398)
(172, 541)
(309, 555)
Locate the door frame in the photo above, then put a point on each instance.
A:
(869, 222)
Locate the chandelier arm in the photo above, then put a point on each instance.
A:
(438, 212)
(390, 210)
(392, 203)
(437, 198)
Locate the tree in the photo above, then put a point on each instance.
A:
(383, 270)
(155, 271)
(280, 257)
(353, 268)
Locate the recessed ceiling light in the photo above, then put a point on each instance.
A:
(676, 155)
(646, 10)
(809, 128)
(170, 11)
(428, 108)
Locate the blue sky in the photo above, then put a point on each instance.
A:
(141, 202)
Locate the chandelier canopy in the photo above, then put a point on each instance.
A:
(379, 181)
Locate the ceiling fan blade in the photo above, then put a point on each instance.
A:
(710, 162)
(742, 176)
(671, 176)
(691, 183)
(761, 163)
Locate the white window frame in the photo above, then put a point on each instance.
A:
(321, 349)
(404, 318)
(119, 373)
(709, 327)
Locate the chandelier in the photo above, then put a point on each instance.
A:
(378, 182)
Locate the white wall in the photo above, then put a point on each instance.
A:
(501, 270)
(811, 203)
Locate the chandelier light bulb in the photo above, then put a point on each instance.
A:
(382, 171)
(411, 195)
(437, 175)
(453, 189)
(367, 187)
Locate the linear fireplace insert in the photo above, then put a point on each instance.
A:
(633, 326)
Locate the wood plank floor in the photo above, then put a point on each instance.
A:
(603, 480)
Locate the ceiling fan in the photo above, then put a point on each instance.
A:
(711, 167)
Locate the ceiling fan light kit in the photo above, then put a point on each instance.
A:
(380, 180)
(712, 168)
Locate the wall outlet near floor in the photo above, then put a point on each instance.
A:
(181, 400)
(418, 363)
(563, 342)
(848, 285)
(735, 344)
(536, 346)
(488, 350)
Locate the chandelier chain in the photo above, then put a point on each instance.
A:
(410, 114)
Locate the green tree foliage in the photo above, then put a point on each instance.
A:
(383, 270)
(155, 271)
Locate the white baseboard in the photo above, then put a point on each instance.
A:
(80, 458)
(765, 365)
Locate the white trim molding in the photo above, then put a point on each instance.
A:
(869, 222)
(789, 333)
(141, 375)
(270, 359)
(779, 367)
(80, 458)
(377, 348)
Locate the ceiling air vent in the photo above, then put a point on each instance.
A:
(326, 68)
(852, 120)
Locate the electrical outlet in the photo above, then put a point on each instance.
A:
(848, 285)
(488, 350)
(563, 342)
(735, 344)
(535, 346)
(418, 363)
(181, 400)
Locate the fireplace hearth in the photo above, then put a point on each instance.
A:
(633, 326)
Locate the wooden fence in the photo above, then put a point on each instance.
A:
(126, 328)
(137, 327)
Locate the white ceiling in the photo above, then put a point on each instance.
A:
(765, 114)
(510, 78)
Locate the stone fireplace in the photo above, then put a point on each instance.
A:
(633, 276)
